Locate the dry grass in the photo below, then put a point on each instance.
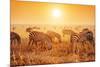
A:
(60, 53)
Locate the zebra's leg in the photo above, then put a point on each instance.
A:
(34, 43)
(74, 48)
(29, 43)
(44, 45)
(84, 47)
(92, 47)
(71, 45)
(50, 45)
(77, 48)
(39, 44)
(92, 42)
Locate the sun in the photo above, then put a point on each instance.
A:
(56, 13)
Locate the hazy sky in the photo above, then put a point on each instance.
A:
(51, 13)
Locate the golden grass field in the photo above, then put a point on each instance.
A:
(22, 54)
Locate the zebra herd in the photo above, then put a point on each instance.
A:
(84, 37)
(36, 37)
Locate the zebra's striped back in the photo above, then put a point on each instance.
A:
(37, 35)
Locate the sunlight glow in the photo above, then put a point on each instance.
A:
(56, 13)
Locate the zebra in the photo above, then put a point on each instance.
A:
(74, 38)
(82, 37)
(15, 38)
(36, 36)
(87, 35)
(67, 32)
(54, 35)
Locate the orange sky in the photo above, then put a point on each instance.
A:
(41, 13)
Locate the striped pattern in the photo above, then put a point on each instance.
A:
(15, 38)
(35, 37)
(74, 38)
(84, 37)
(87, 36)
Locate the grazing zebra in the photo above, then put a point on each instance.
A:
(67, 32)
(74, 38)
(15, 38)
(35, 37)
(83, 37)
(87, 35)
(54, 35)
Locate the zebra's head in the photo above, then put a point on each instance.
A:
(29, 29)
(85, 30)
(49, 43)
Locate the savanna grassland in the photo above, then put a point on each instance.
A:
(61, 52)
